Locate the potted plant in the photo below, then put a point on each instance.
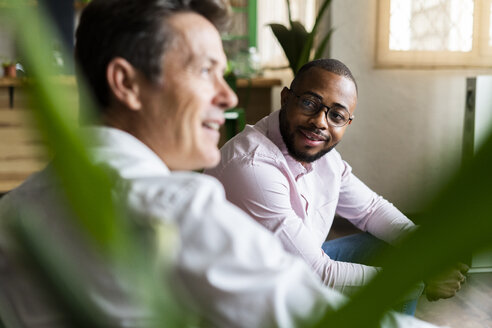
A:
(297, 43)
(9, 68)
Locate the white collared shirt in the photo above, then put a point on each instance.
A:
(227, 266)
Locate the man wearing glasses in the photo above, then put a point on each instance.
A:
(285, 172)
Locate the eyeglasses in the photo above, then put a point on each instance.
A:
(311, 105)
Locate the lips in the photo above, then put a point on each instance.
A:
(314, 136)
(211, 125)
(213, 122)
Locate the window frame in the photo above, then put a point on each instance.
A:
(480, 55)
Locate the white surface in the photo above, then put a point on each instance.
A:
(408, 125)
(483, 109)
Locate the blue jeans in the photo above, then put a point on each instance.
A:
(362, 248)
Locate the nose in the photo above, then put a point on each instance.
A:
(320, 119)
(226, 98)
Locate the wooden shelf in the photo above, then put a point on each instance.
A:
(21, 81)
(15, 82)
(255, 82)
(11, 81)
(258, 82)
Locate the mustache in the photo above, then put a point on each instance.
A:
(318, 132)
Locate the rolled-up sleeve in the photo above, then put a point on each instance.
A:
(369, 211)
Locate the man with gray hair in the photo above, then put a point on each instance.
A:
(156, 69)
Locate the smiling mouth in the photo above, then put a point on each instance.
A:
(211, 125)
(314, 136)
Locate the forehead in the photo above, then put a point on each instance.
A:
(318, 80)
(195, 39)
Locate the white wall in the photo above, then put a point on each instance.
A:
(6, 43)
(407, 131)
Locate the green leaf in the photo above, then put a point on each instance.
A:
(304, 57)
(321, 48)
(300, 37)
(322, 10)
(306, 50)
(299, 30)
(289, 12)
(71, 161)
(86, 187)
(285, 38)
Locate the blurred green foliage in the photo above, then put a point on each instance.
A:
(456, 221)
(88, 190)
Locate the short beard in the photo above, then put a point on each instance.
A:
(288, 138)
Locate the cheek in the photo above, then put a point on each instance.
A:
(181, 121)
(190, 126)
(187, 110)
(192, 139)
(209, 159)
(291, 120)
(337, 134)
(297, 120)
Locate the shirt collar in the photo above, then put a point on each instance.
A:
(121, 149)
(275, 136)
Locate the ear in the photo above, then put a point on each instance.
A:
(123, 83)
(284, 96)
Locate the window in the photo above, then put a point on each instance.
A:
(434, 33)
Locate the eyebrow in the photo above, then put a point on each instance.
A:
(212, 60)
(314, 94)
(215, 62)
(197, 59)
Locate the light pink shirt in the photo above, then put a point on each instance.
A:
(298, 204)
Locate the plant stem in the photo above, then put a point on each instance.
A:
(289, 12)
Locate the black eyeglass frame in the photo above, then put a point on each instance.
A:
(321, 108)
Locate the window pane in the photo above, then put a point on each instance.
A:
(431, 25)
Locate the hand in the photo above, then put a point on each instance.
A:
(446, 284)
